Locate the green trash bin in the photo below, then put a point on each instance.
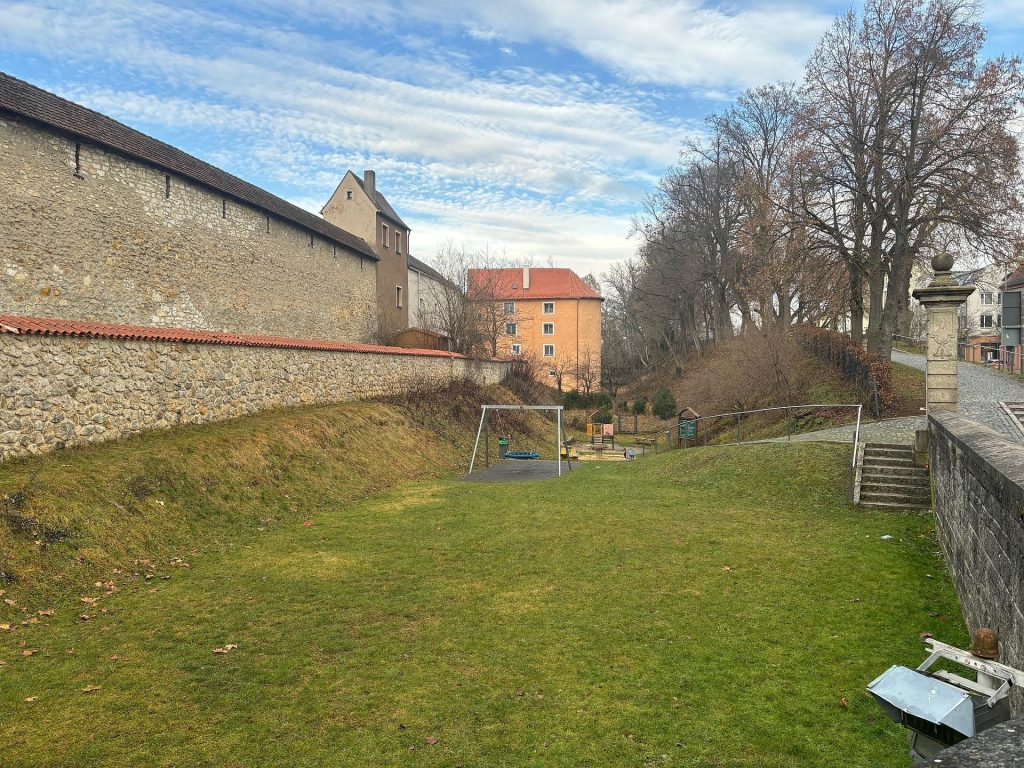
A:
(502, 447)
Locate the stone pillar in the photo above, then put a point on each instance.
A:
(942, 300)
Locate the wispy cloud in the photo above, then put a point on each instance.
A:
(484, 150)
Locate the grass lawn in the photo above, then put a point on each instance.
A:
(713, 607)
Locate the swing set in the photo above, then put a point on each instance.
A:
(483, 417)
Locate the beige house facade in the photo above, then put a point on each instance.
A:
(357, 207)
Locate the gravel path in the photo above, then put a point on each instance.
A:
(981, 390)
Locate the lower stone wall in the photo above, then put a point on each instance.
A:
(58, 391)
(979, 513)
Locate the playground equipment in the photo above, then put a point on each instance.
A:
(521, 455)
(508, 454)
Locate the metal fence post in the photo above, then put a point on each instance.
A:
(738, 438)
(789, 426)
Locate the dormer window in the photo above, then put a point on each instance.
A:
(384, 238)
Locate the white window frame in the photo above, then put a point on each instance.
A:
(509, 307)
(384, 238)
(517, 349)
(551, 353)
(983, 318)
(514, 327)
(986, 298)
(547, 329)
(549, 311)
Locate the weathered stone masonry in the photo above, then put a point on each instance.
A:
(58, 391)
(978, 478)
(126, 242)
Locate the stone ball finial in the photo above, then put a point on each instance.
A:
(985, 643)
(942, 261)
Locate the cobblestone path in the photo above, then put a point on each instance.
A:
(981, 389)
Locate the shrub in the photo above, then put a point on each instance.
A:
(574, 400)
(601, 400)
(640, 406)
(664, 404)
(604, 416)
(853, 361)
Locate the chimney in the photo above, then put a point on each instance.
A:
(370, 182)
(526, 278)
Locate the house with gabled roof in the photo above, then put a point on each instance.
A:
(357, 207)
(548, 314)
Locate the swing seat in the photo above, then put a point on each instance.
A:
(522, 455)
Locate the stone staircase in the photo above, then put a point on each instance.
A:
(890, 478)
(1016, 414)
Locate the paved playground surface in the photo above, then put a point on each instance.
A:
(516, 471)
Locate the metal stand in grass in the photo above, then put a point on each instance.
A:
(483, 420)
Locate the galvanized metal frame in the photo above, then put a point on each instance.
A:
(489, 407)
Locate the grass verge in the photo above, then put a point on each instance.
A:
(712, 607)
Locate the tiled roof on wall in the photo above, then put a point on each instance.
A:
(53, 327)
(25, 100)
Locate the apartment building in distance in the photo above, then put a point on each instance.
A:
(549, 314)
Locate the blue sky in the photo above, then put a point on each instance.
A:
(528, 127)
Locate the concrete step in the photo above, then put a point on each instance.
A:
(893, 447)
(904, 500)
(898, 470)
(888, 461)
(875, 480)
(894, 505)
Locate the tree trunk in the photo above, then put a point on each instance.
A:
(856, 303)
(876, 286)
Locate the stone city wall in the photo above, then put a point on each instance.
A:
(121, 242)
(58, 391)
(978, 477)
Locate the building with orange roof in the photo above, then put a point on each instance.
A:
(547, 314)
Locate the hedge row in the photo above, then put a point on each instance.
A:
(855, 362)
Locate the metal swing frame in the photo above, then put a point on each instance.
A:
(483, 416)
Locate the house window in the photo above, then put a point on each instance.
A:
(552, 373)
(348, 194)
(999, 298)
(398, 296)
(510, 308)
(548, 329)
(549, 350)
(384, 236)
(398, 242)
(986, 298)
(549, 307)
(517, 349)
(510, 329)
(985, 321)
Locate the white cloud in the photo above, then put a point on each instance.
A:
(533, 162)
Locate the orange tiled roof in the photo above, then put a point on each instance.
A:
(545, 283)
(54, 327)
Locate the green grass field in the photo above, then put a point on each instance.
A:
(716, 607)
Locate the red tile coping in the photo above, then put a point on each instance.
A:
(54, 327)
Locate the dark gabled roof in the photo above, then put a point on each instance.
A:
(1016, 280)
(382, 204)
(25, 100)
(429, 271)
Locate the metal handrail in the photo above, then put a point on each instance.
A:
(740, 414)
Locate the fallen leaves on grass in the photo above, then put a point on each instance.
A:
(307, 522)
(7, 627)
(46, 612)
(31, 698)
(89, 600)
(91, 688)
(844, 703)
(225, 649)
(432, 740)
(86, 616)
(29, 652)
